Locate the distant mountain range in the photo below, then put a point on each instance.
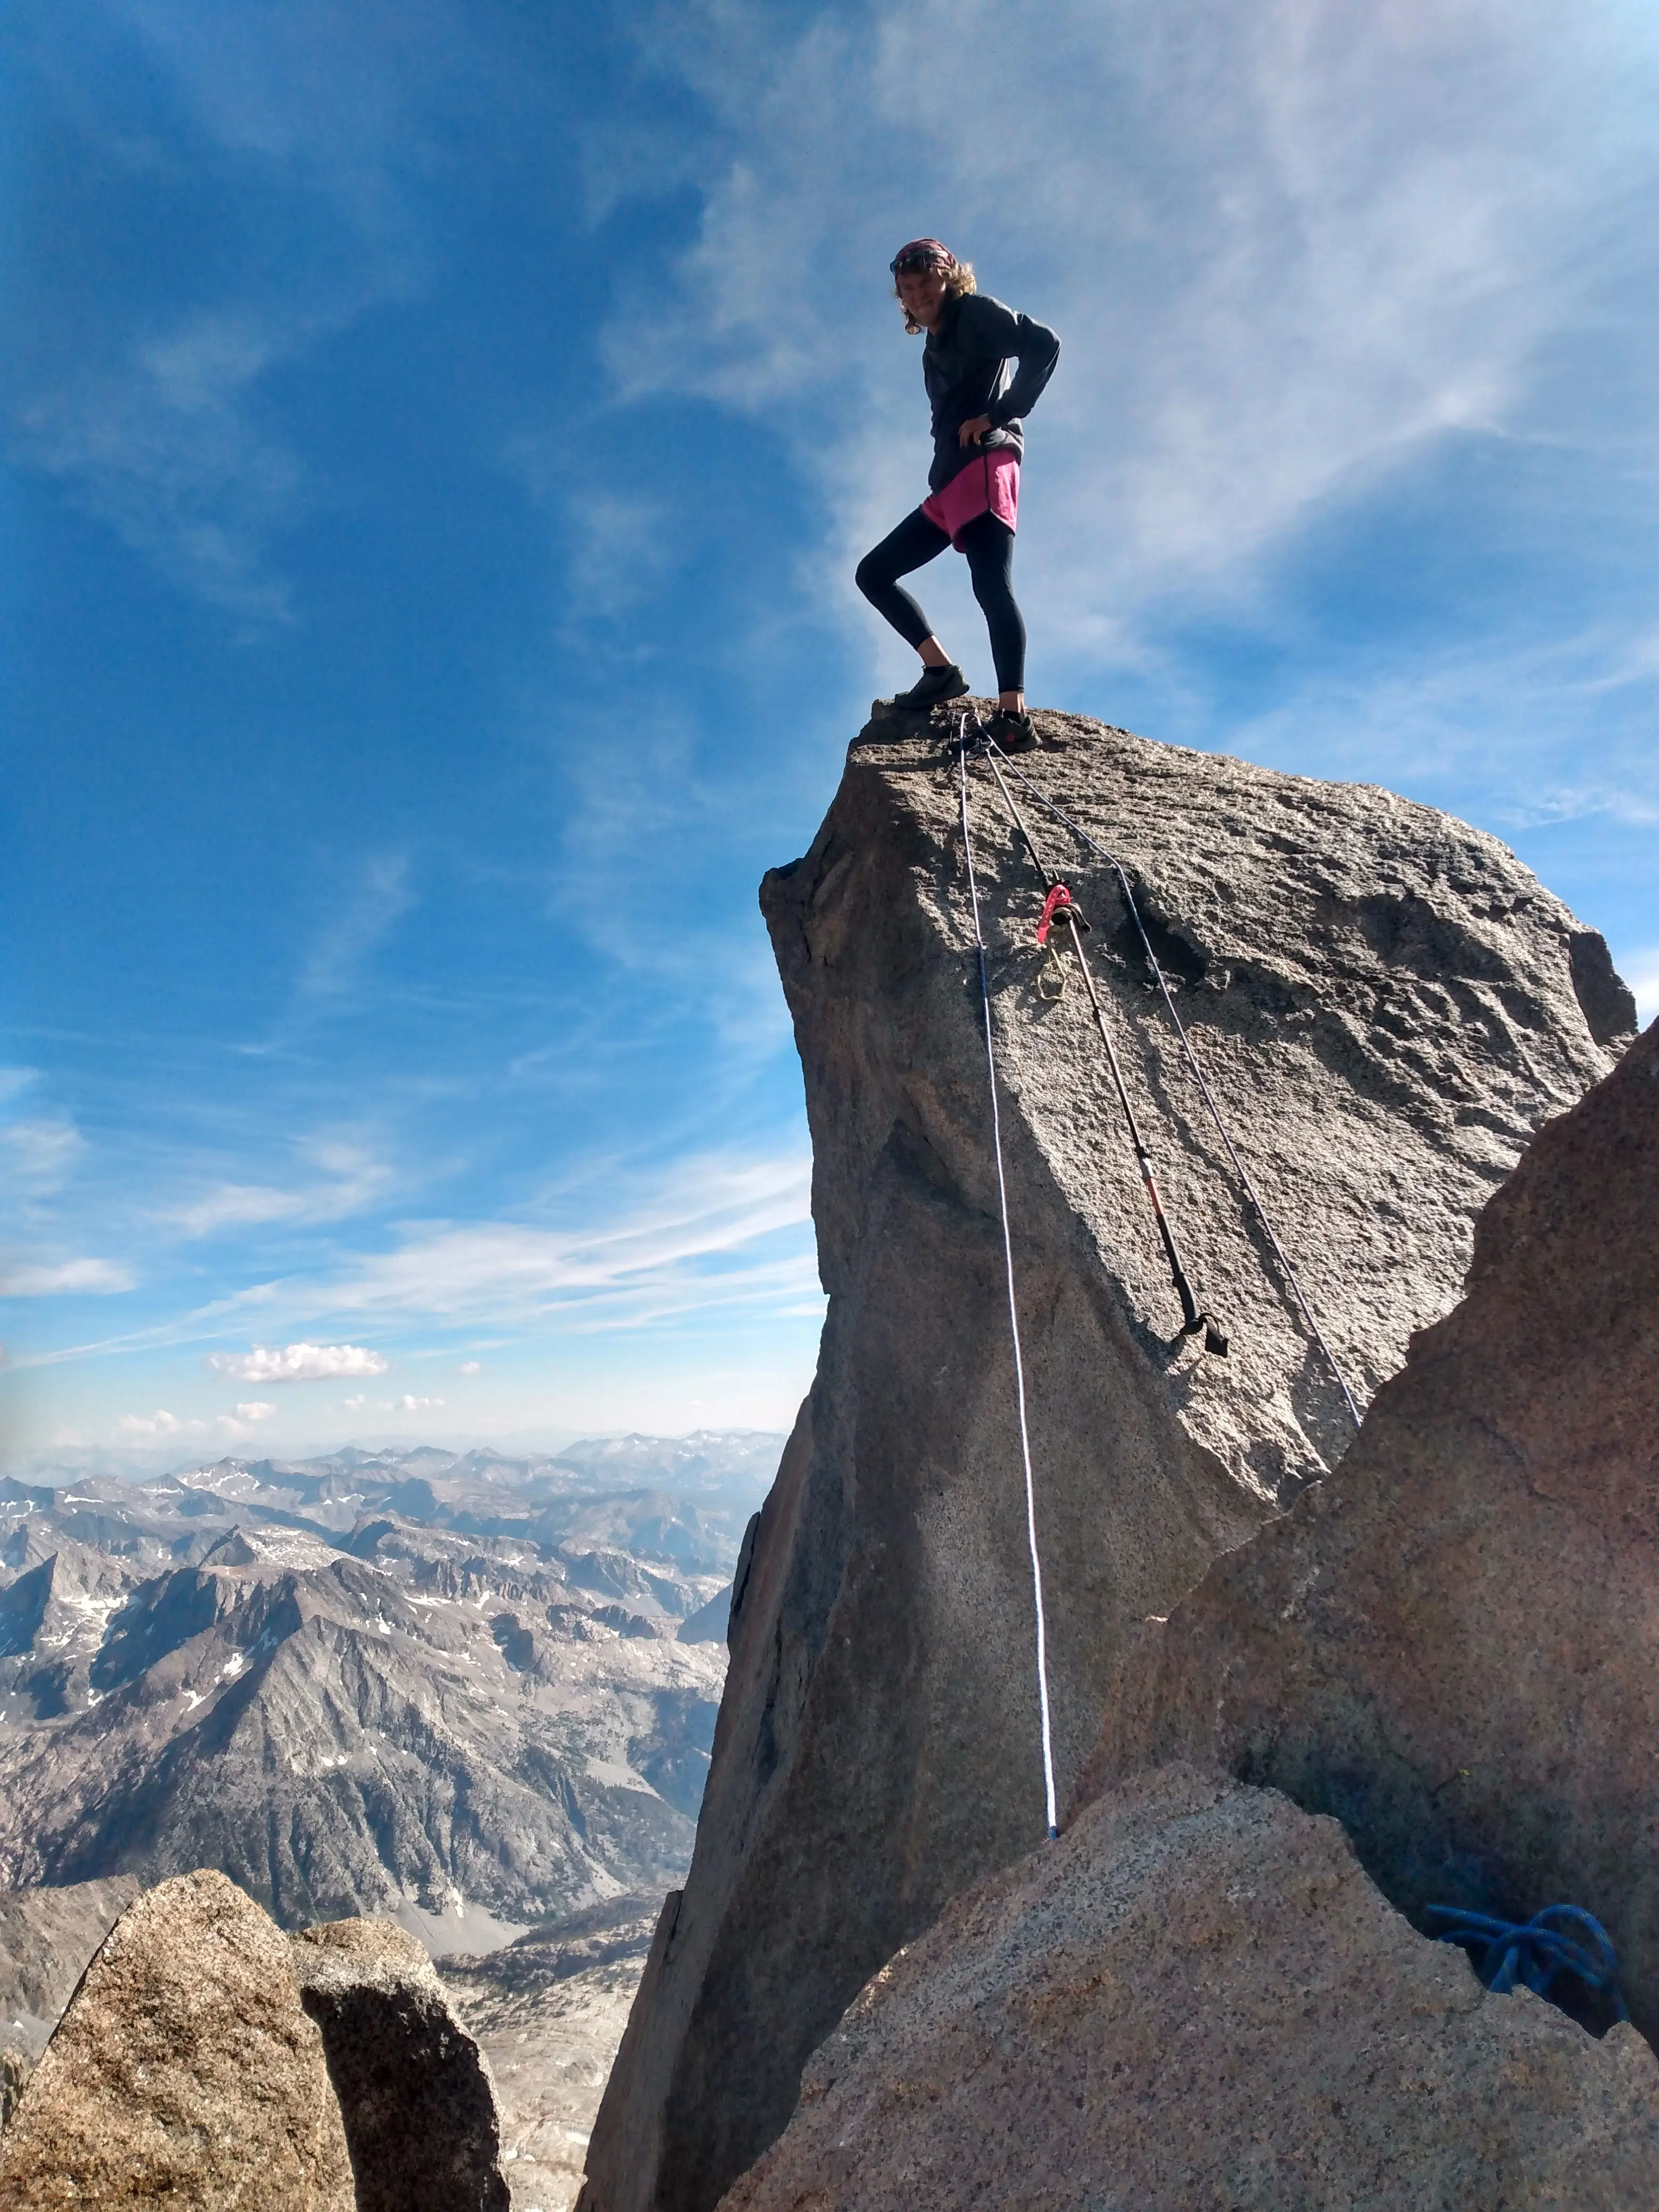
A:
(461, 1687)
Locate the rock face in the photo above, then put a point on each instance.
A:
(548, 2012)
(1452, 1643)
(419, 2110)
(1386, 1005)
(184, 2071)
(1196, 2000)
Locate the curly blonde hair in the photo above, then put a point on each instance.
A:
(959, 281)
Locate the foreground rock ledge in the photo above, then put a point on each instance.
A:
(1197, 2000)
(183, 2073)
(414, 2089)
(1386, 1004)
(210, 2063)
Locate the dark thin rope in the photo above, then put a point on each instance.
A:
(1239, 1167)
(1193, 1317)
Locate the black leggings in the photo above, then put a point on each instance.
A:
(989, 545)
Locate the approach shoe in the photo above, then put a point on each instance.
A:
(932, 688)
(1014, 734)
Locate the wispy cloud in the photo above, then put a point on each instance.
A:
(337, 116)
(65, 1278)
(351, 1180)
(1286, 246)
(1508, 717)
(678, 1251)
(40, 1155)
(299, 1363)
(616, 541)
(164, 448)
(374, 904)
(1642, 974)
(709, 1235)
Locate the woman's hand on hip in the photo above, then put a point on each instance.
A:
(973, 431)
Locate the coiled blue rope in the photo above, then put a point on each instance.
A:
(1534, 1952)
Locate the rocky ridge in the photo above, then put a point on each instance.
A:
(1197, 1997)
(416, 2096)
(452, 1689)
(546, 2011)
(1387, 1006)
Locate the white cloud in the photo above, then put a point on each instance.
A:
(158, 1424)
(374, 906)
(14, 1079)
(298, 1363)
(408, 1405)
(1641, 971)
(161, 447)
(161, 1424)
(42, 1155)
(469, 1366)
(99, 1278)
(1285, 246)
(257, 1409)
(352, 1179)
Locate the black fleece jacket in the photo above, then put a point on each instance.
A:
(965, 366)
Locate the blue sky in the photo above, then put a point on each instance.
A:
(438, 438)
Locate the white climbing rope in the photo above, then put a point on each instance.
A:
(1013, 1307)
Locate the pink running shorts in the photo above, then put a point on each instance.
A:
(989, 485)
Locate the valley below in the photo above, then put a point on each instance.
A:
(473, 1693)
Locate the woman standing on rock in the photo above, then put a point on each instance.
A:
(973, 500)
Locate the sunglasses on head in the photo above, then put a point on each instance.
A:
(916, 264)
